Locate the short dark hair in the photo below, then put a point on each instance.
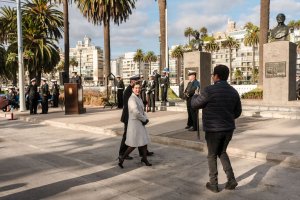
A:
(222, 71)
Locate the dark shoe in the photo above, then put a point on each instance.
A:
(192, 129)
(121, 160)
(187, 127)
(231, 185)
(211, 187)
(128, 158)
(150, 153)
(146, 162)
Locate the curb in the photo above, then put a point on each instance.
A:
(289, 160)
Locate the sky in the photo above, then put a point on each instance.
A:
(141, 30)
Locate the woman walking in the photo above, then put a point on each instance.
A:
(137, 135)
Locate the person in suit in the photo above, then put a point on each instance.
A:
(45, 94)
(156, 81)
(221, 105)
(120, 91)
(125, 116)
(32, 93)
(181, 88)
(164, 85)
(75, 78)
(55, 93)
(143, 91)
(137, 135)
(189, 92)
(151, 94)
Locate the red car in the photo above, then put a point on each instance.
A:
(3, 102)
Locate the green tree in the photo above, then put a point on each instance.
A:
(102, 12)
(139, 57)
(263, 34)
(238, 75)
(252, 39)
(150, 57)
(212, 46)
(178, 54)
(203, 32)
(231, 44)
(8, 22)
(188, 32)
(73, 62)
(2, 61)
(254, 77)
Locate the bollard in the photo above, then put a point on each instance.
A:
(11, 114)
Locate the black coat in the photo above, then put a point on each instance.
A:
(221, 105)
(32, 92)
(126, 96)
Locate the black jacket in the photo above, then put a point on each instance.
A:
(221, 105)
(32, 92)
(126, 96)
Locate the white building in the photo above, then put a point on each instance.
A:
(90, 61)
(116, 66)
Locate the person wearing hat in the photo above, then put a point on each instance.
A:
(156, 81)
(221, 105)
(151, 94)
(189, 92)
(45, 94)
(32, 93)
(55, 93)
(164, 85)
(75, 78)
(120, 91)
(143, 91)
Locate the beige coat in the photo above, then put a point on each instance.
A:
(137, 134)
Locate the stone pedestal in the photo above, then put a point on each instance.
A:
(279, 83)
(73, 99)
(199, 62)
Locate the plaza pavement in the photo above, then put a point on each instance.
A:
(255, 137)
(44, 162)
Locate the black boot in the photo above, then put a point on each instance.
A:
(211, 187)
(143, 150)
(122, 158)
(231, 184)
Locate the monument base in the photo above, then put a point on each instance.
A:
(73, 99)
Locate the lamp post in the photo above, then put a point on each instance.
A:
(20, 57)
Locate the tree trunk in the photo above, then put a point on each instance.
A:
(38, 77)
(230, 65)
(162, 4)
(263, 36)
(66, 39)
(253, 62)
(106, 27)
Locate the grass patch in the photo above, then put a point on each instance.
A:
(256, 93)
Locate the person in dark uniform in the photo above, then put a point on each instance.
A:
(156, 80)
(75, 78)
(125, 116)
(151, 94)
(164, 85)
(143, 91)
(44, 94)
(120, 91)
(189, 92)
(55, 93)
(32, 93)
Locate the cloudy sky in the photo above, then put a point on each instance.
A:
(142, 28)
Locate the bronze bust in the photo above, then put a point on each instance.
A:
(281, 31)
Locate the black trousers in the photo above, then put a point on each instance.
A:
(192, 114)
(33, 106)
(151, 103)
(44, 105)
(55, 100)
(217, 143)
(120, 98)
(164, 93)
(123, 146)
(157, 92)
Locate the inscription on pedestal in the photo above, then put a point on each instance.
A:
(275, 69)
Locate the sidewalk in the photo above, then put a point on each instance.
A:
(259, 138)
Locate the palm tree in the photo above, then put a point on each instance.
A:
(203, 32)
(150, 57)
(231, 44)
(73, 62)
(252, 39)
(101, 12)
(254, 77)
(8, 22)
(212, 46)
(238, 74)
(2, 61)
(66, 35)
(188, 32)
(139, 57)
(162, 5)
(263, 36)
(178, 54)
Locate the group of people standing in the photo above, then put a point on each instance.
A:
(149, 90)
(33, 95)
(220, 104)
